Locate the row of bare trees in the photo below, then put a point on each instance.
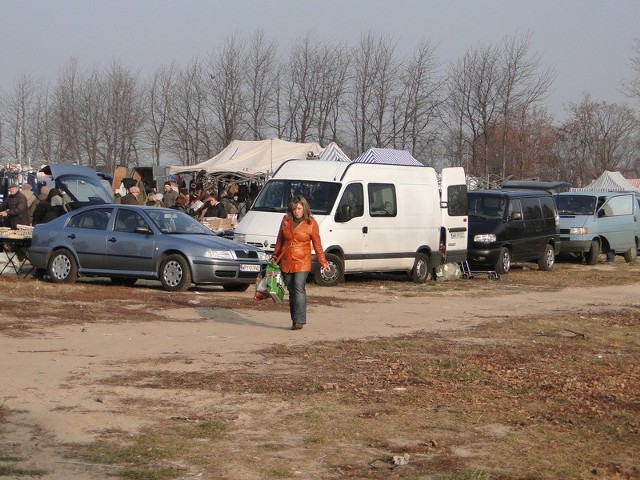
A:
(485, 111)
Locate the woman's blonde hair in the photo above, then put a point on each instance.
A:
(306, 210)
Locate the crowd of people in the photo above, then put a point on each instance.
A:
(200, 200)
(23, 207)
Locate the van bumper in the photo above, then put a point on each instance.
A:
(569, 245)
(484, 257)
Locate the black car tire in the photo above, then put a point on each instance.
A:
(548, 259)
(124, 281)
(421, 269)
(62, 267)
(503, 265)
(174, 274)
(631, 255)
(591, 257)
(236, 287)
(335, 274)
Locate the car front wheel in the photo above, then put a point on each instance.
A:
(175, 275)
(62, 267)
(548, 259)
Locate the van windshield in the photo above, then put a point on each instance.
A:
(277, 194)
(576, 204)
(487, 207)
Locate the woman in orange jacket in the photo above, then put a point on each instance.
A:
(298, 230)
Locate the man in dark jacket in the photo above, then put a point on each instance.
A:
(15, 208)
(212, 208)
(131, 198)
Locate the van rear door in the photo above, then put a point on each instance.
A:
(453, 206)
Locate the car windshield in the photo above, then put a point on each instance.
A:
(576, 204)
(277, 194)
(176, 222)
(488, 207)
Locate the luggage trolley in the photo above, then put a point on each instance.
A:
(468, 273)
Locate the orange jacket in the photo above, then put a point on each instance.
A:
(293, 246)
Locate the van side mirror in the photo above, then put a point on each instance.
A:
(516, 216)
(601, 213)
(343, 214)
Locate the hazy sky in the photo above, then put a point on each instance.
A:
(588, 42)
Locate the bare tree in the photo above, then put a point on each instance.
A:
(417, 107)
(158, 108)
(122, 118)
(332, 69)
(65, 116)
(261, 83)
(225, 97)
(599, 136)
(463, 120)
(18, 116)
(375, 80)
(187, 115)
(301, 95)
(632, 87)
(521, 85)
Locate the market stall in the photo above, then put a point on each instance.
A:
(14, 244)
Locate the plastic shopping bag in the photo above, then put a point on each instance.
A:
(275, 282)
(261, 292)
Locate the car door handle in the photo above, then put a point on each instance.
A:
(72, 236)
(112, 240)
(365, 229)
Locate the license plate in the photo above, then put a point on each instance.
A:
(457, 235)
(249, 268)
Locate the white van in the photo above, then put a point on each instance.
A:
(372, 218)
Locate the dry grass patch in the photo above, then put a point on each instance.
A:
(544, 397)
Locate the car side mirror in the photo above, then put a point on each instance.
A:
(516, 216)
(143, 230)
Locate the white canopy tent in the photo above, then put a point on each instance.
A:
(609, 181)
(250, 159)
(333, 153)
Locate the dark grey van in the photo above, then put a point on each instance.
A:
(508, 226)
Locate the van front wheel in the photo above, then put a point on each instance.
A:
(591, 257)
(503, 265)
(335, 273)
(630, 255)
(546, 262)
(420, 271)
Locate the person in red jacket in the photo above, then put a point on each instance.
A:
(298, 230)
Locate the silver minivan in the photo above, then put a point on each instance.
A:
(599, 222)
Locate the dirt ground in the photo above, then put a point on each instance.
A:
(534, 375)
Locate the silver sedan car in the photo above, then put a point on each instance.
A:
(127, 243)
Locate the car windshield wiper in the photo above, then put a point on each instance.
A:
(266, 209)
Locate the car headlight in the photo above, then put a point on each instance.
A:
(219, 254)
(485, 238)
(239, 237)
(262, 255)
(578, 231)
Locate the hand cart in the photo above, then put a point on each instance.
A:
(468, 273)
